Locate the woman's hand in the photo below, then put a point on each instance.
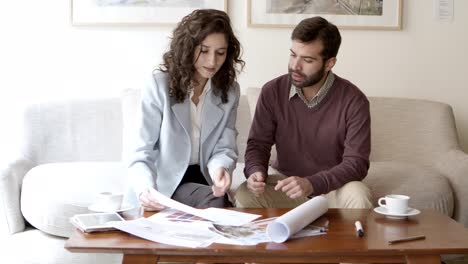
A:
(149, 202)
(221, 182)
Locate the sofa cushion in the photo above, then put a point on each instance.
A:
(130, 103)
(243, 121)
(426, 187)
(54, 192)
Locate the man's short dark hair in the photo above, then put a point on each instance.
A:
(318, 28)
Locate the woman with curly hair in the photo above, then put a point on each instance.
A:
(186, 143)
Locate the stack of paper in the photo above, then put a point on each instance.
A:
(185, 226)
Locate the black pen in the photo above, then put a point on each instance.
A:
(359, 229)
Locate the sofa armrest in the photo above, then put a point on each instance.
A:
(11, 177)
(454, 165)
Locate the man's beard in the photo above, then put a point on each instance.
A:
(308, 80)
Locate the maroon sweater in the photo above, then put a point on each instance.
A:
(328, 144)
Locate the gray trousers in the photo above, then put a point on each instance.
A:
(194, 191)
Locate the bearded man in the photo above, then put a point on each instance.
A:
(320, 124)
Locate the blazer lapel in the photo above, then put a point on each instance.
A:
(182, 113)
(212, 115)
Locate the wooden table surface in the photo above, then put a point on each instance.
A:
(340, 244)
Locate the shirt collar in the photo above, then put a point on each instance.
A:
(206, 89)
(320, 94)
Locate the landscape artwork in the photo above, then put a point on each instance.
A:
(346, 14)
(338, 7)
(159, 3)
(136, 12)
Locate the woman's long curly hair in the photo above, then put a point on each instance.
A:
(178, 62)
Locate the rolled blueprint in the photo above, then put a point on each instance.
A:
(295, 220)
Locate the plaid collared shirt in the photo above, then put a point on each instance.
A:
(318, 97)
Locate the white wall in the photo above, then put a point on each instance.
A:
(43, 56)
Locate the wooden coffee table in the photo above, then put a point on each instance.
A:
(443, 236)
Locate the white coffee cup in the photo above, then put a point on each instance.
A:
(108, 201)
(395, 203)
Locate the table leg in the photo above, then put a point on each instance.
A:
(423, 259)
(139, 259)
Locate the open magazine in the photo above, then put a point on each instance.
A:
(255, 232)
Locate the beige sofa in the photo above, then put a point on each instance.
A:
(68, 151)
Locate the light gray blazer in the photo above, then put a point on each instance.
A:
(161, 151)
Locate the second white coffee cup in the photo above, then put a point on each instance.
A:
(395, 203)
(108, 201)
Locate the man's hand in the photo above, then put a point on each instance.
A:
(221, 182)
(149, 202)
(295, 187)
(256, 183)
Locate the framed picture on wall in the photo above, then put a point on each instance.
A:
(136, 12)
(346, 14)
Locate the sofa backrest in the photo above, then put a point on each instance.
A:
(252, 98)
(411, 129)
(244, 118)
(74, 130)
(403, 129)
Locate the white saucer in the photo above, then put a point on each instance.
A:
(122, 209)
(409, 212)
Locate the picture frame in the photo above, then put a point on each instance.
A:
(136, 12)
(345, 14)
